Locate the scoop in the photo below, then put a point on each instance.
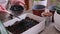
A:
(13, 15)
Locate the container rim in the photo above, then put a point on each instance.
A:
(37, 9)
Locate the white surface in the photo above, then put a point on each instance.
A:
(50, 30)
(41, 2)
(57, 27)
(11, 22)
(3, 2)
(34, 30)
(57, 20)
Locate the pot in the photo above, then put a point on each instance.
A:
(57, 16)
(17, 9)
(57, 21)
(38, 9)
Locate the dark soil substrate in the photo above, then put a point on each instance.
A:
(19, 27)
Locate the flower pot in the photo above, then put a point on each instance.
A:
(36, 29)
(38, 9)
(57, 21)
(57, 16)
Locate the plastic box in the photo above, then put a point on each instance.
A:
(35, 29)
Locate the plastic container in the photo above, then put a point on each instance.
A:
(18, 7)
(57, 21)
(35, 29)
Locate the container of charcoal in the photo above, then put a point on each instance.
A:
(17, 9)
(27, 24)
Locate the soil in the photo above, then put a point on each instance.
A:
(21, 26)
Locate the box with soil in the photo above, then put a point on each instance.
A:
(27, 24)
(20, 26)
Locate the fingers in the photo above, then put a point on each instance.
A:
(14, 2)
(2, 9)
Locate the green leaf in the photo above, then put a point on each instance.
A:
(53, 0)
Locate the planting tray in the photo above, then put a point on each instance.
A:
(33, 30)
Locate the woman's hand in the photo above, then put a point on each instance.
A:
(16, 2)
(2, 9)
(13, 2)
